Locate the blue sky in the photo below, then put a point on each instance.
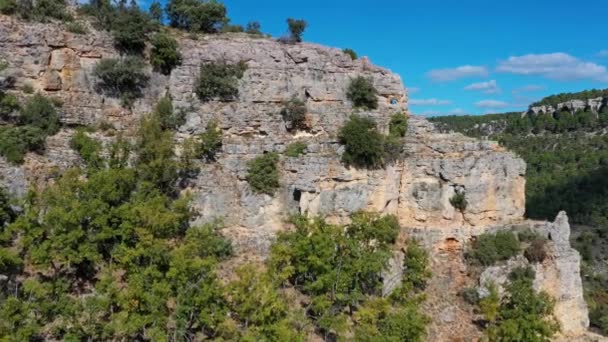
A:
(459, 56)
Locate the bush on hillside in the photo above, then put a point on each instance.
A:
(40, 112)
(254, 27)
(459, 201)
(168, 118)
(219, 80)
(39, 10)
(523, 313)
(8, 7)
(340, 269)
(156, 12)
(123, 78)
(294, 114)
(15, 142)
(296, 29)
(88, 149)
(263, 173)
(295, 149)
(211, 141)
(130, 29)
(8, 105)
(76, 27)
(361, 93)
(363, 144)
(351, 53)
(208, 16)
(490, 248)
(397, 126)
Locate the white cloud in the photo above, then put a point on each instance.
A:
(431, 113)
(457, 111)
(528, 88)
(603, 53)
(489, 87)
(452, 74)
(491, 104)
(413, 90)
(556, 66)
(429, 102)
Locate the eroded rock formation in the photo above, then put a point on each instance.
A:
(417, 187)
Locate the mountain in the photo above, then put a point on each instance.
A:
(231, 186)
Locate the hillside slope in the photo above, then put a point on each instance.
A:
(124, 224)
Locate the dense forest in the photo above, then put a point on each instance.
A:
(567, 163)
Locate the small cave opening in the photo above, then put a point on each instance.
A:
(297, 195)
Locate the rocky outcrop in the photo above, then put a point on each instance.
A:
(558, 275)
(417, 188)
(573, 106)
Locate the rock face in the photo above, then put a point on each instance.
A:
(558, 275)
(595, 105)
(417, 188)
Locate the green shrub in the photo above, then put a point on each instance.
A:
(50, 9)
(27, 88)
(490, 304)
(295, 149)
(296, 29)
(40, 112)
(364, 145)
(8, 105)
(211, 141)
(15, 142)
(397, 126)
(362, 93)
(168, 118)
(459, 201)
(219, 80)
(130, 29)
(197, 15)
(339, 268)
(294, 114)
(156, 162)
(123, 78)
(263, 173)
(254, 28)
(104, 12)
(164, 55)
(8, 7)
(232, 29)
(351, 53)
(470, 295)
(489, 248)
(527, 235)
(523, 314)
(76, 27)
(261, 308)
(88, 148)
(156, 12)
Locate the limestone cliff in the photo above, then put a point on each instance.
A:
(417, 188)
(595, 105)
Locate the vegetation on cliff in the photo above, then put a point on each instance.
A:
(109, 252)
(26, 132)
(362, 93)
(522, 314)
